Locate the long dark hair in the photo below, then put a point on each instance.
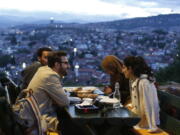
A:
(138, 66)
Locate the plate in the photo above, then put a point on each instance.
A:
(71, 89)
(109, 100)
(75, 100)
(99, 92)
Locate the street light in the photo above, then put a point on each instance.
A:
(75, 50)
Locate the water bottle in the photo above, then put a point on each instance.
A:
(117, 95)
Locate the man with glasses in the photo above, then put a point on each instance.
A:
(47, 89)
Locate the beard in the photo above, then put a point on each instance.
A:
(63, 72)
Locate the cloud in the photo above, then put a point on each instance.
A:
(145, 3)
(120, 8)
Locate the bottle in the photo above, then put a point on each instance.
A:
(117, 95)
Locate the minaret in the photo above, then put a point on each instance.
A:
(76, 65)
(51, 20)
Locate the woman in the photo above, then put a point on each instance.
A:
(113, 66)
(143, 92)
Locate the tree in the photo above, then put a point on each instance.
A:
(172, 72)
(32, 43)
(160, 32)
(5, 59)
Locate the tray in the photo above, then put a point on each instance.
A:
(86, 109)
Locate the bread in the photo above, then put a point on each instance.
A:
(78, 89)
(84, 91)
(87, 95)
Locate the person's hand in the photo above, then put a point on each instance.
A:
(107, 90)
(129, 106)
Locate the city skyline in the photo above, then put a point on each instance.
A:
(118, 8)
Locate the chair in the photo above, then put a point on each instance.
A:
(7, 123)
(145, 132)
(12, 90)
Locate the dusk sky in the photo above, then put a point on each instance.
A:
(120, 8)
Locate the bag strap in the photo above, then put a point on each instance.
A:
(33, 103)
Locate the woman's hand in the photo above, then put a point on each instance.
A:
(107, 90)
(129, 106)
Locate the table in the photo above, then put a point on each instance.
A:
(108, 120)
(119, 117)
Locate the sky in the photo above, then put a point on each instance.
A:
(120, 8)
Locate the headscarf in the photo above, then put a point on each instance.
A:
(112, 63)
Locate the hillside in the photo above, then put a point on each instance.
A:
(167, 22)
(170, 21)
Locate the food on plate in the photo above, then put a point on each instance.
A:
(81, 90)
(78, 89)
(87, 95)
(85, 91)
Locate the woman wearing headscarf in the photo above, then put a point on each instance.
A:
(113, 66)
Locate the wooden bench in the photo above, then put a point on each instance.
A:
(145, 132)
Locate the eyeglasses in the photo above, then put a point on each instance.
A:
(65, 62)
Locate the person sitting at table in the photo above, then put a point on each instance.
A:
(113, 66)
(28, 73)
(143, 92)
(48, 91)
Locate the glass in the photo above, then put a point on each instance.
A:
(117, 95)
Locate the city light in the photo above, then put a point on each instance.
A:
(76, 66)
(76, 69)
(75, 50)
(23, 65)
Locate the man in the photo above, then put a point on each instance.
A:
(29, 71)
(47, 88)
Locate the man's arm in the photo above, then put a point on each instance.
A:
(56, 92)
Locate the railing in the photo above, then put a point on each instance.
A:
(12, 90)
(170, 112)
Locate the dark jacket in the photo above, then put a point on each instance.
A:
(28, 73)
